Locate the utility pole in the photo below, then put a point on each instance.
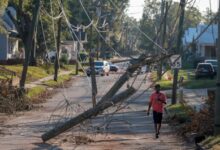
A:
(217, 97)
(163, 20)
(178, 49)
(92, 67)
(57, 62)
(78, 49)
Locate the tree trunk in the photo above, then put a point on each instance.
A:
(57, 62)
(28, 43)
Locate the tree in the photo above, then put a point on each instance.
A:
(150, 22)
(26, 27)
(3, 5)
(208, 16)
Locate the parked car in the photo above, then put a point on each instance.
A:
(214, 63)
(101, 68)
(113, 67)
(204, 70)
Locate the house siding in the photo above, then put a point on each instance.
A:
(3, 46)
(204, 42)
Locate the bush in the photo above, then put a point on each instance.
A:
(64, 59)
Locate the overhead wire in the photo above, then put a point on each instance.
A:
(97, 29)
(143, 33)
(73, 33)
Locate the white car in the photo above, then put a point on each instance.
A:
(101, 68)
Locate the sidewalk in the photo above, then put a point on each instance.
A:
(193, 97)
(40, 81)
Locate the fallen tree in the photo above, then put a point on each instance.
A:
(109, 99)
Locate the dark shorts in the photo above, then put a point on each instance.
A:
(157, 116)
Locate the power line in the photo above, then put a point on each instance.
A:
(142, 32)
(96, 28)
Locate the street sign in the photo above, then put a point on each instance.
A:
(176, 61)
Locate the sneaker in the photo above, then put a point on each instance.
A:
(157, 136)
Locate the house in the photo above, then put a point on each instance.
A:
(205, 46)
(70, 48)
(9, 38)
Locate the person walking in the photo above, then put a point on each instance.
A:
(157, 102)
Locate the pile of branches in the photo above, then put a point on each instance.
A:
(11, 100)
(201, 122)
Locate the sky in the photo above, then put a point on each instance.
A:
(136, 7)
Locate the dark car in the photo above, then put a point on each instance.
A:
(113, 67)
(204, 70)
(214, 63)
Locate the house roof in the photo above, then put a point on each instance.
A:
(6, 24)
(208, 37)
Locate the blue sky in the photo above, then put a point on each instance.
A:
(136, 6)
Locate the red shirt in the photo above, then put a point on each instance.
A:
(157, 104)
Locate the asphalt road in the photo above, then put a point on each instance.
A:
(128, 128)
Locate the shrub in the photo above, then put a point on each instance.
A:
(64, 59)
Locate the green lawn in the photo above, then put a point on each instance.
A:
(35, 91)
(179, 112)
(35, 73)
(189, 80)
(61, 80)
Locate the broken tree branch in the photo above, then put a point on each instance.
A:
(88, 114)
(107, 100)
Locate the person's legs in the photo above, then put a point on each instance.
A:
(155, 117)
(158, 128)
(155, 127)
(160, 116)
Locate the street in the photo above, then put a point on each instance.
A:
(129, 128)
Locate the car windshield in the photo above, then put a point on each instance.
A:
(99, 63)
(207, 67)
(214, 63)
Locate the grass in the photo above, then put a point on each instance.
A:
(189, 81)
(38, 90)
(211, 142)
(36, 73)
(176, 109)
(61, 80)
(180, 111)
(35, 91)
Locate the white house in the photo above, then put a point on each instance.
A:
(206, 43)
(9, 37)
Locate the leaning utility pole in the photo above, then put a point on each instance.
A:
(178, 49)
(92, 68)
(57, 62)
(217, 97)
